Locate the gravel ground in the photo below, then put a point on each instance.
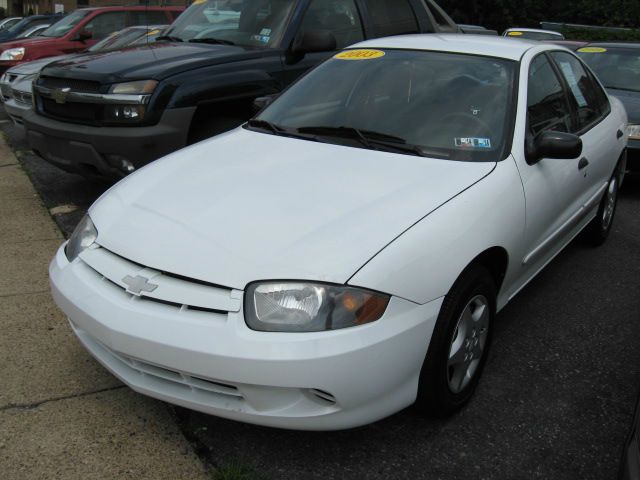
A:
(555, 401)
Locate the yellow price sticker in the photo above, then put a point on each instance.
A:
(592, 50)
(153, 32)
(514, 34)
(363, 54)
(198, 2)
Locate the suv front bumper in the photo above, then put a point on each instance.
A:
(99, 152)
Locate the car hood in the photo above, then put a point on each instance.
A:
(28, 42)
(29, 68)
(247, 206)
(154, 61)
(631, 102)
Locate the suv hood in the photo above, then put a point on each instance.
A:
(29, 68)
(248, 206)
(28, 43)
(155, 61)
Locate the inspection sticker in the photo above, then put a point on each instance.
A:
(473, 142)
(514, 34)
(362, 54)
(592, 50)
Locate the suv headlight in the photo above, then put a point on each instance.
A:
(13, 54)
(83, 237)
(310, 307)
(633, 132)
(139, 87)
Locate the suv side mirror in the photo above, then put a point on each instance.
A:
(311, 41)
(84, 35)
(261, 103)
(550, 144)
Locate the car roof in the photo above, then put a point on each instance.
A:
(613, 44)
(492, 46)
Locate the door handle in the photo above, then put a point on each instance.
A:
(583, 163)
(619, 134)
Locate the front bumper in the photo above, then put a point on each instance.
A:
(215, 364)
(16, 110)
(97, 152)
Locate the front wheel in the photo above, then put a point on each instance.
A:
(597, 231)
(459, 344)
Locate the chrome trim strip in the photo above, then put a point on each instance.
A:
(96, 98)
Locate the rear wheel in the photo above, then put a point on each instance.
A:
(459, 344)
(597, 231)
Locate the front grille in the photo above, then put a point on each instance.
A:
(71, 111)
(83, 86)
(183, 295)
(22, 97)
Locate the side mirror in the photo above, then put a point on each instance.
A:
(261, 103)
(84, 35)
(550, 144)
(311, 41)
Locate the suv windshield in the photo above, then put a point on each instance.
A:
(617, 68)
(128, 36)
(258, 23)
(61, 27)
(442, 105)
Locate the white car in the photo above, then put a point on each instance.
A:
(343, 254)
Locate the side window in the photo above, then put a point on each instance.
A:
(340, 17)
(547, 106)
(153, 17)
(584, 96)
(392, 17)
(103, 25)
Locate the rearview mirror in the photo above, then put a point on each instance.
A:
(84, 35)
(261, 103)
(314, 41)
(550, 144)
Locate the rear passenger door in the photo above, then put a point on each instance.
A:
(150, 17)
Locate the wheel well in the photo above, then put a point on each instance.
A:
(214, 118)
(496, 260)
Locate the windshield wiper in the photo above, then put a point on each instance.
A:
(368, 138)
(613, 87)
(272, 127)
(217, 41)
(169, 37)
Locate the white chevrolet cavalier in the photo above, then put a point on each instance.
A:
(343, 255)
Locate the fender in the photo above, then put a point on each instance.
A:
(415, 267)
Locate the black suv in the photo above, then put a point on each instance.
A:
(106, 114)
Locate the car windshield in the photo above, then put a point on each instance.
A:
(126, 37)
(257, 23)
(62, 26)
(617, 68)
(442, 105)
(19, 26)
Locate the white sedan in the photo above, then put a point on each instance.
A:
(343, 255)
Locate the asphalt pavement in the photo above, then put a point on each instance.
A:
(556, 397)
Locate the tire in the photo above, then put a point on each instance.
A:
(464, 326)
(597, 230)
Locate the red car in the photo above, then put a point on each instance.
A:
(80, 30)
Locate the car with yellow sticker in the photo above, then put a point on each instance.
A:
(344, 254)
(617, 65)
(532, 34)
(200, 78)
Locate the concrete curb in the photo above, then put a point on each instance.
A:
(61, 414)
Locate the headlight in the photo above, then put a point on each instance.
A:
(310, 307)
(125, 113)
(12, 54)
(83, 237)
(138, 87)
(633, 132)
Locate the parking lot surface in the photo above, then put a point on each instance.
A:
(555, 400)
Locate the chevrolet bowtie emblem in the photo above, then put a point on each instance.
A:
(60, 95)
(138, 284)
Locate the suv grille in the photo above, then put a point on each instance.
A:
(71, 111)
(84, 86)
